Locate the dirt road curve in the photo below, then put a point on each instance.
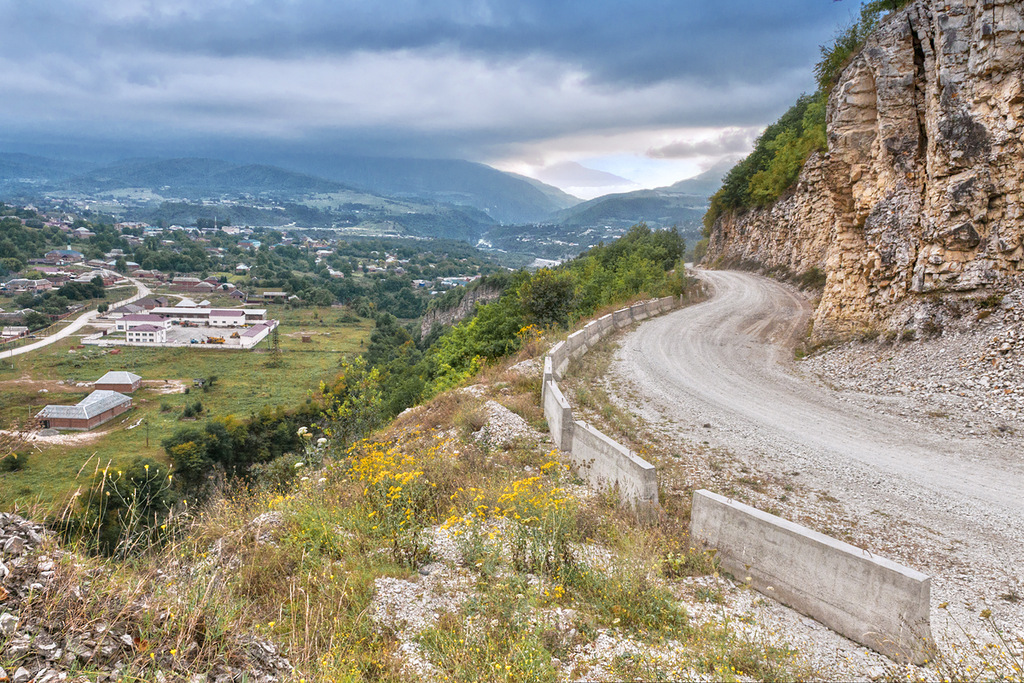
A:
(717, 383)
(729, 361)
(924, 491)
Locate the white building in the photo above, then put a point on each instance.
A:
(147, 334)
(203, 316)
(129, 322)
(227, 317)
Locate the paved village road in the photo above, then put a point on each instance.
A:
(723, 370)
(79, 322)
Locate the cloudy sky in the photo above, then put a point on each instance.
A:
(650, 91)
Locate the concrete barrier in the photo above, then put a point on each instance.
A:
(622, 318)
(559, 359)
(548, 376)
(667, 303)
(869, 599)
(591, 334)
(604, 463)
(576, 344)
(559, 416)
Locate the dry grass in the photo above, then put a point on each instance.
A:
(304, 577)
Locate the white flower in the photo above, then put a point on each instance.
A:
(321, 480)
(303, 431)
(321, 441)
(299, 464)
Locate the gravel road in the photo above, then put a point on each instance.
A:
(931, 493)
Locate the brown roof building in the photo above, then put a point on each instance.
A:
(93, 410)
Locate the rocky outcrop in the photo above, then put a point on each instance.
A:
(920, 193)
(464, 309)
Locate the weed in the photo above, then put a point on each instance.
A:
(993, 300)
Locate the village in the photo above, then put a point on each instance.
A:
(112, 332)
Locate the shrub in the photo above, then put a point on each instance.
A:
(14, 461)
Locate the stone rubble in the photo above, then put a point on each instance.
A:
(971, 375)
(504, 428)
(41, 649)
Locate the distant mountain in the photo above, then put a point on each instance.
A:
(705, 184)
(657, 208)
(563, 199)
(17, 169)
(504, 197)
(566, 173)
(682, 204)
(198, 178)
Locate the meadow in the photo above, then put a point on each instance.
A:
(245, 382)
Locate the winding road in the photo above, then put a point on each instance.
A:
(77, 324)
(718, 386)
(719, 378)
(728, 361)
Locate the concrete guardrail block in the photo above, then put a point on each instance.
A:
(576, 343)
(559, 359)
(869, 599)
(548, 376)
(558, 413)
(605, 463)
(622, 318)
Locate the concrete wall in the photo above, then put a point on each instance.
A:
(866, 598)
(605, 463)
(559, 359)
(558, 413)
(601, 460)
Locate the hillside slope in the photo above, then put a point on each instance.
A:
(505, 197)
(919, 192)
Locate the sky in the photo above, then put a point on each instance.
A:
(600, 95)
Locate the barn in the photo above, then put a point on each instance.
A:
(117, 380)
(93, 410)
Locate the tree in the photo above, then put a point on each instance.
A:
(35, 321)
(547, 298)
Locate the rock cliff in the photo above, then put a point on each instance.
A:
(478, 295)
(920, 193)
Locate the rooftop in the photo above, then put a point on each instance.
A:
(92, 405)
(119, 376)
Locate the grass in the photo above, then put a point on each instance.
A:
(244, 384)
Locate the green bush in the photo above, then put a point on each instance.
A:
(14, 462)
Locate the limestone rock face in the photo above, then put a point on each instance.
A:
(451, 316)
(921, 190)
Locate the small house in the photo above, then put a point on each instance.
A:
(93, 410)
(118, 380)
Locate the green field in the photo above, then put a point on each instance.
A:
(245, 383)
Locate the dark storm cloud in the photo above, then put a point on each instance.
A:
(637, 42)
(468, 77)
